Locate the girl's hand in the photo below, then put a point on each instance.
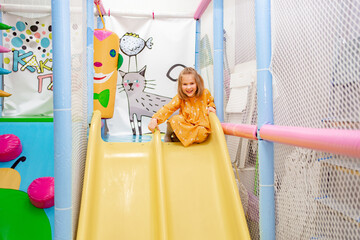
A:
(153, 125)
(211, 109)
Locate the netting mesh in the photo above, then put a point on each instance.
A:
(315, 67)
(78, 31)
(240, 98)
(206, 50)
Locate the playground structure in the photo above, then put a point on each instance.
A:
(160, 190)
(297, 163)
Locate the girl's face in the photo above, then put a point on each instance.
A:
(188, 85)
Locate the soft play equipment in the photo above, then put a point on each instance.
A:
(4, 71)
(41, 192)
(158, 190)
(3, 26)
(9, 177)
(107, 61)
(20, 219)
(4, 49)
(4, 94)
(10, 147)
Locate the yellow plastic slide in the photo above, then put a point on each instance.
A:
(160, 191)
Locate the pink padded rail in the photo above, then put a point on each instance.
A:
(346, 142)
(240, 130)
(201, 9)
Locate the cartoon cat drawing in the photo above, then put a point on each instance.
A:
(141, 103)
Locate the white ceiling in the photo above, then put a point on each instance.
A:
(163, 6)
(27, 2)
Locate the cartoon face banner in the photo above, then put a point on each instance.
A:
(30, 61)
(154, 53)
(106, 61)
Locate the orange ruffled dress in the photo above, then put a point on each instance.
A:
(192, 125)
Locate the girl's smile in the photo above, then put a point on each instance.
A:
(188, 85)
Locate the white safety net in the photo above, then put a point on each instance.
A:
(315, 67)
(206, 48)
(79, 102)
(239, 93)
(241, 105)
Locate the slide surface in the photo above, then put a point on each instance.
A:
(158, 190)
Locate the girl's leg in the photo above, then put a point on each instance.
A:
(202, 134)
(170, 135)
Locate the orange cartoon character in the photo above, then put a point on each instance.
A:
(107, 61)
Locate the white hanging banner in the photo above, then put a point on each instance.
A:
(30, 61)
(154, 52)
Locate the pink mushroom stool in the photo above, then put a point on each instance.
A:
(10, 147)
(41, 192)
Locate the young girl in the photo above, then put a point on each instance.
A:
(195, 102)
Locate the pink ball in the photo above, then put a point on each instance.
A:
(10, 147)
(41, 192)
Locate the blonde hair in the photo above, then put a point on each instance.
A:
(198, 80)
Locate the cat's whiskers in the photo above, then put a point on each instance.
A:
(147, 82)
(120, 88)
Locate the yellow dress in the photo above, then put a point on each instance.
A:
(192, 125)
